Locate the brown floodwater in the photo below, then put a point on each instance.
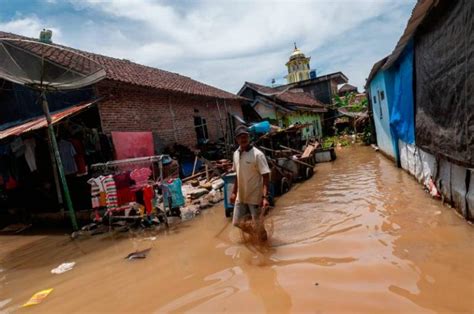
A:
(360, 236)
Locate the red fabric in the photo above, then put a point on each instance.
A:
(80, 156)
(133, 144)
(140, 176)
(124, 196)
(147, 198)
(11, 184)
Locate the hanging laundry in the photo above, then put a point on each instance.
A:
(30, 146)
(123, 180)
(67, 152)
(111, 193)
(174, 190)
(123, 183)
(148, 194)
(79, 157)
(97, 188)
(140, 176)
(17, 147)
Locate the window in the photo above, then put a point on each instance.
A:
(379, 93)
(200, 125)
(382, 95)
(375, 100)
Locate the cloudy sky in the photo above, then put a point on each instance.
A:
(221, 42)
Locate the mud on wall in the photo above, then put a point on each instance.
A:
(454, 182)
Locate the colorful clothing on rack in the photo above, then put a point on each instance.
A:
(140, 176)
(173, 189)
(98, 196)
(125, 196)
(148, 194)
(122, 180)
(111, 192)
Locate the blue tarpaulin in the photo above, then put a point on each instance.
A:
(400, 89)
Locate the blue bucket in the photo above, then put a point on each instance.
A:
(260, 127)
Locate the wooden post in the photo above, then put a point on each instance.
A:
(292, 149)
(57, 183)
(195, 163)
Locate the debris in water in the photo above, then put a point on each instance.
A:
(64, 267)
(316, 284)
(138, 254)
(16, 228)
(4, 302)
(38, 297)
(438, 212)
(150, 238)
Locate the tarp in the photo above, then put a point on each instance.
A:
(400, 89)
(429, 167)
(411, 160)
(444, 65)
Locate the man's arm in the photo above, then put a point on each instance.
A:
(233, 196)
(266, 181)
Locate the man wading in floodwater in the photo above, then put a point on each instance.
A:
(250, 193)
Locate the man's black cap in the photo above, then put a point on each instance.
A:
(241, 129)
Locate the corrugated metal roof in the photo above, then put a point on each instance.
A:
(40, 122)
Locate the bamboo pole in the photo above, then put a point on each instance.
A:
(55, 174)
(292, 149)
(54, 145)
(197, 175)
(195, 163)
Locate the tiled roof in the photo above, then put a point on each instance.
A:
(133, 73)
(291, 96)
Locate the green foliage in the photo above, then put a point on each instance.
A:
(349, 102)
(367, 135)
(343, 101)
(332, 141)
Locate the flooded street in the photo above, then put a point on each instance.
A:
(360, 236)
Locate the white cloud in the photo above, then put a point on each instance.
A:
(225, 43)
(29, 26)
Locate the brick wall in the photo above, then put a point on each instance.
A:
(169, 115)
